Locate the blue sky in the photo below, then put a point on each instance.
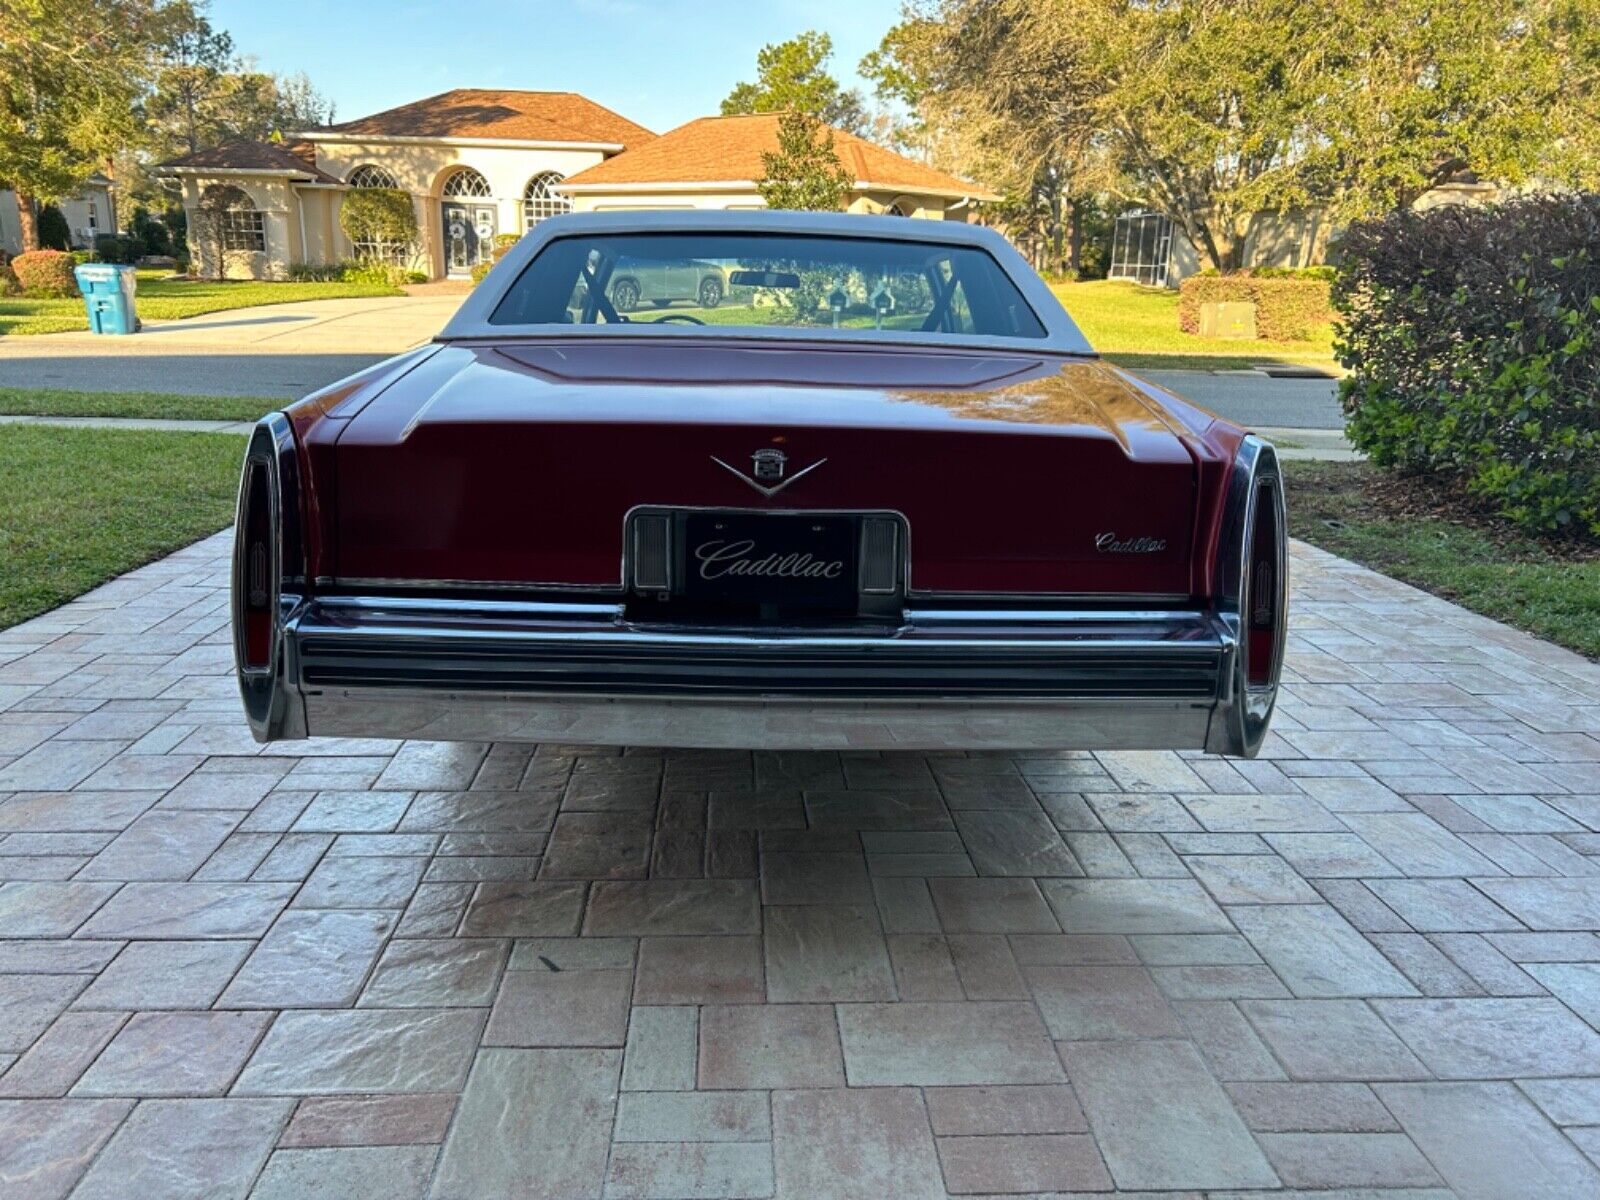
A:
(658, 62)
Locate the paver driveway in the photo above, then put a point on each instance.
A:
(1366, 960)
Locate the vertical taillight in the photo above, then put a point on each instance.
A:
(269, 579)
(255, 564)
(1265, 591)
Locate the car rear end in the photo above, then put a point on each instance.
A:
(687, 542)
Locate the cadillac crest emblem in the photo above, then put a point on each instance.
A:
(768, 463)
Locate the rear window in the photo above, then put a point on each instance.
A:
(753, 281)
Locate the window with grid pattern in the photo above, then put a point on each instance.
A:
(541, 200)
(243, 229)
(466, 182)
(372, 177)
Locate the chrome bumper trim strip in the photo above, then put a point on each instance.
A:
(726, 723)
(377, 667)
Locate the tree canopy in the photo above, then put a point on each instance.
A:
(204, 94)
(70, 74)
(804, 172)
(793, 76)
(1215, 112)
(86, 81)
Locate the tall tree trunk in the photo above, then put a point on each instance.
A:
(27, 220)
(1075, 237)
(1055, 229)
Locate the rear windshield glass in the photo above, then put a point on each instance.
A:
(887, 287)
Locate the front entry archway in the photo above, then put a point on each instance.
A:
(470, 220)
(469, 231)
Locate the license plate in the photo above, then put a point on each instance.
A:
(786, 560)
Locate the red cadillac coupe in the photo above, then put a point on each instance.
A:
(882, 494)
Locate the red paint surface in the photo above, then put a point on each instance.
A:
(517, 462)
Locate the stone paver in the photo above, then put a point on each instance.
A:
(534, 1123)
(1365, 963)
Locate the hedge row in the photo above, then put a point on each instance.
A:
(1473, 340)
(1290, 305)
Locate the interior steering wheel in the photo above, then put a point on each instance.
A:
(678, 317)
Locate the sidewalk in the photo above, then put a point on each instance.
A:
(132, 423)
(359, 325)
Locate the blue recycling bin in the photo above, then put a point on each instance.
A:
(108, 296)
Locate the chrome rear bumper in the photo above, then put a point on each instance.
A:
(580, 673)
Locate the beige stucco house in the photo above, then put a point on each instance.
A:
(479, 164)
(89, 214)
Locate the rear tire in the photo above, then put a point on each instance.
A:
(710, 292)
(625, 295)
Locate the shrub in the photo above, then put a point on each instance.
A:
(1325, 273)
(350, 270)
(479, 271)
(392, 274)
(380, 222)
(45, 273)
(1290, 304)
(176, 219)
(1473, 340)
(8, 279)
(303, 272)
(152, 235)
(54, 234)
(113, 248)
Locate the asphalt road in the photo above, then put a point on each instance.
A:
(1258, 400)
(1254, 400)
(285, 376)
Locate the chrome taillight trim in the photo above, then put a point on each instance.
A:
(272, 708)
(1240, 722)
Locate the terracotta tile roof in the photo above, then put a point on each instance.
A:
(298, 157)
(726, 149)
(492, 113)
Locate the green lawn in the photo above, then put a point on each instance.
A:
(163, 296)
(1137, 326)
(81, 506)
(56, 402)
(1355, 511)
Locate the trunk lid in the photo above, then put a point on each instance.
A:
(517, 463)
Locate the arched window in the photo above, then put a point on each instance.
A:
(899, 208)
(466, 182)
(235, 218)
(370, 176)
(541, 200)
